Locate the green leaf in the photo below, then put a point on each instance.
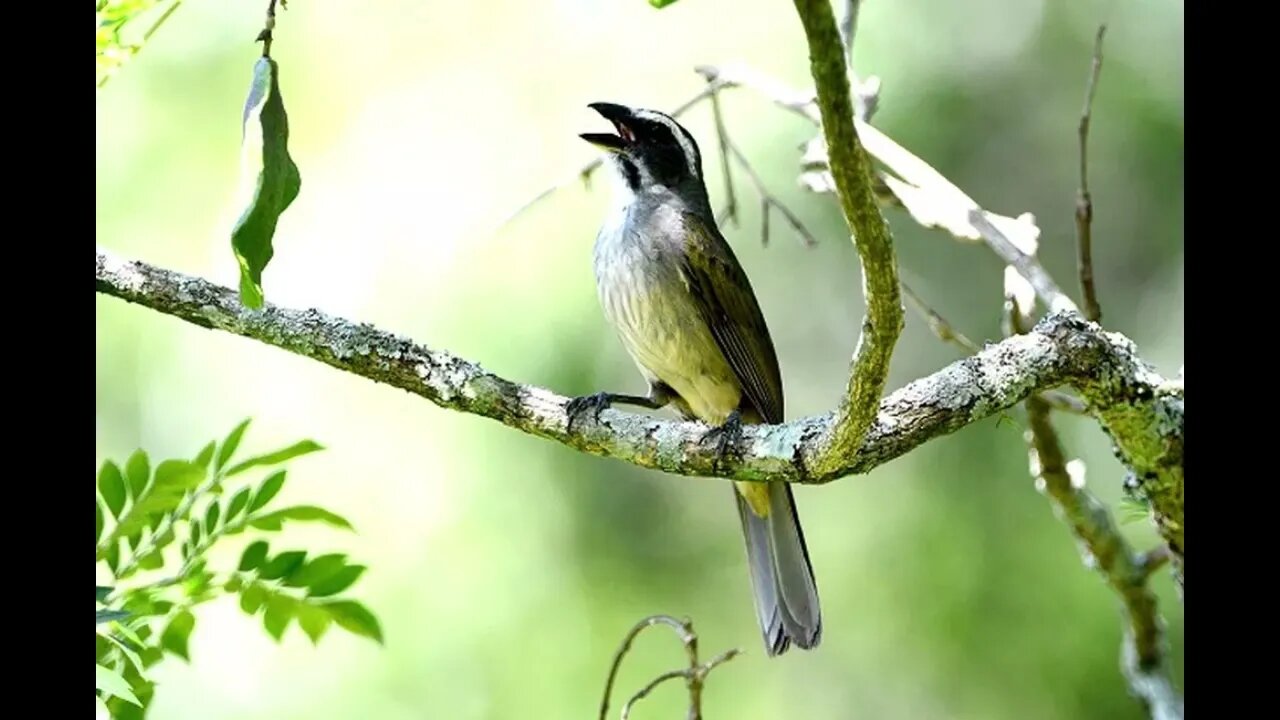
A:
(164, 539)
(137, 470)
(269, 178)
(112, 555)
(196, 533)
(112, 684)
(355, 618)
(151, 655)
(206, 454)
(301, 447)
(142, 688)
(319, 568)
(269, 524)
(313, 621)
(153, 560)
(100, 520)
(253, 555)
(337, 582)
(119, 40)
(124, 648)
(177, 633)
(102, 592)
(239, 502)
(211, 516)
(230, 445)
(282, 564)
(306, 513)
(661, 3)
(173, 478)
(137, 638)
(280, 610)
(252, 597)
(109, 615)
(111, 486)
(270, 488)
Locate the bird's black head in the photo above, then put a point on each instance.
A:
(651, 149)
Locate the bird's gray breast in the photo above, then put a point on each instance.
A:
(644, 294)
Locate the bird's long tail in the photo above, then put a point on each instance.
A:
(786, 594)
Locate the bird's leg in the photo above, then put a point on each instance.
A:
(728, 434)
(657, 398)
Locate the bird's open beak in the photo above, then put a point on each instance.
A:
(618, 115)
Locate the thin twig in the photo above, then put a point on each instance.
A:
(160, 21)
(1154, 559)
(1106, 550)
(1084, 201)
(768, 201)
(849, 27)
(585, 172)
(946, 332)
(1143, 656)
(683, 629)
(265, 36)
(699, 679)
(644, 691)
(730, 211)
(695, 674)
(938, 324)
(932, 200)
(866, 94)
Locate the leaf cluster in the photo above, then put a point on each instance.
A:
(171, 515)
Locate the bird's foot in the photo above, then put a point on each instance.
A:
(588, 403)
(727, 436)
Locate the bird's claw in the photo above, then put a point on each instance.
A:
(595, 403)
(727, 436)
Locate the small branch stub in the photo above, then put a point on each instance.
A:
(269, 26)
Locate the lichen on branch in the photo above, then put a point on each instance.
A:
(1061, 350)
(851, 171)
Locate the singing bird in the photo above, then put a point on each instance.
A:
(684, 310)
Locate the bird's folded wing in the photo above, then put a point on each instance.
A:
(720, 287)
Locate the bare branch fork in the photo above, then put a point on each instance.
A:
(694, 675)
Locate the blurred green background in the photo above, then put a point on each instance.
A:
(505, 569)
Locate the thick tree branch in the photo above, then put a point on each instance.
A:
(1142, 410)
(851, 171)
